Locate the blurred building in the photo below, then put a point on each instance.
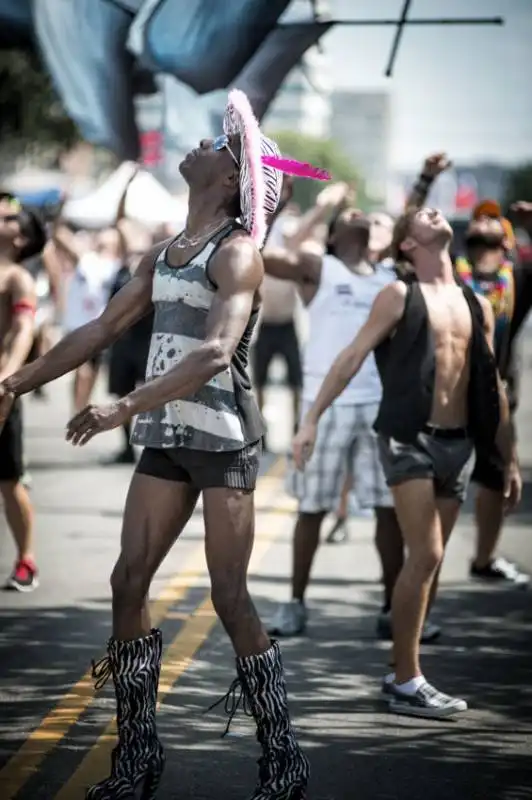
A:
(303, 103)
(361, 124)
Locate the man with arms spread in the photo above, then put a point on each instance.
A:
(21, 236)
(441, 394)
(201, 429)
(490, 268)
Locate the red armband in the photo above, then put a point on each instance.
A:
(23, 306)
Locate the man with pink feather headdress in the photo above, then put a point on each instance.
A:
(197, 420)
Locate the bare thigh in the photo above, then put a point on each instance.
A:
(229, 516)
(417, 512)
(156, 512)
(448, 511)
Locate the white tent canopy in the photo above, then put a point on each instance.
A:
(147, 202)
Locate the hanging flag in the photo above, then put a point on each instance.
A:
(93, 72)
(203, 43)
(263, 76)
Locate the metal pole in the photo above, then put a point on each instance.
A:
(441, 21)
(397, 38)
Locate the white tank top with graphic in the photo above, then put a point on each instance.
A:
(339, 309)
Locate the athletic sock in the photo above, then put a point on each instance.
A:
(411, 686)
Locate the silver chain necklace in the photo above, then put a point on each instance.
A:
(190, 241)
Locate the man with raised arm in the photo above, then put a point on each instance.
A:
(433, 343)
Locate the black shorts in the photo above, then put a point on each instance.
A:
(237, 469)
(277, 340)
(11, 452)
(489, 469)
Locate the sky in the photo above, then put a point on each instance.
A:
(466, 90)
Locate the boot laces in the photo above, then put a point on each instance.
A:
(233, 699)
(101, 672)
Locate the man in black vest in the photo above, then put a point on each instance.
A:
(491, 266)
(433, 341)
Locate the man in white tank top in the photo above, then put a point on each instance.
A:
(338, 290)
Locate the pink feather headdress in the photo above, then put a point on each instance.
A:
(300, 169)
(261, 167)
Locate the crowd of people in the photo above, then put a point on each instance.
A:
(406, 392)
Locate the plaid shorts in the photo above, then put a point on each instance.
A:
(346, 443)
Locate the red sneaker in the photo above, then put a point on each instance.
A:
(24, 576)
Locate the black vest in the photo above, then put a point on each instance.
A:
(407, 367)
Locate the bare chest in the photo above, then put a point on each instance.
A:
(449, 316)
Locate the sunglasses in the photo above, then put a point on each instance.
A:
(222, 143)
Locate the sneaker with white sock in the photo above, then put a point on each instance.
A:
(289, 620)
(425, 702)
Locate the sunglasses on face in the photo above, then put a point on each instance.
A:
(222, 143)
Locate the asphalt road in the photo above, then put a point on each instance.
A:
(56, 735)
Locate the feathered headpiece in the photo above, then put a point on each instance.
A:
(261, 167)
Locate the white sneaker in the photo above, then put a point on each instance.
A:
(289, 620)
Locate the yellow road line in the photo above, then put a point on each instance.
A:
(177, 658)
(56, 724)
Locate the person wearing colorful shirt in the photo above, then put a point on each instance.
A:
(489, 270)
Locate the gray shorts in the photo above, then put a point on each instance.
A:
(443, 455)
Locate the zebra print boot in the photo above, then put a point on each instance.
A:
(283, 769)
(138, 758)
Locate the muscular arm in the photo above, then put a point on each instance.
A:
(128, 306)
(385, 313)
(237, 272)
(505, 439)
(23, 305)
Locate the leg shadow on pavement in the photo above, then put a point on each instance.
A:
(357, 749)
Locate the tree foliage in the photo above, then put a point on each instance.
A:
(324, 153)
(31, 111)
(519, 186)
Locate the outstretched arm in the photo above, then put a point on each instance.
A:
(237, 272)
(126, 307)
(385, 313)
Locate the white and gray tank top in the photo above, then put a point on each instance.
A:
(223, 415)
